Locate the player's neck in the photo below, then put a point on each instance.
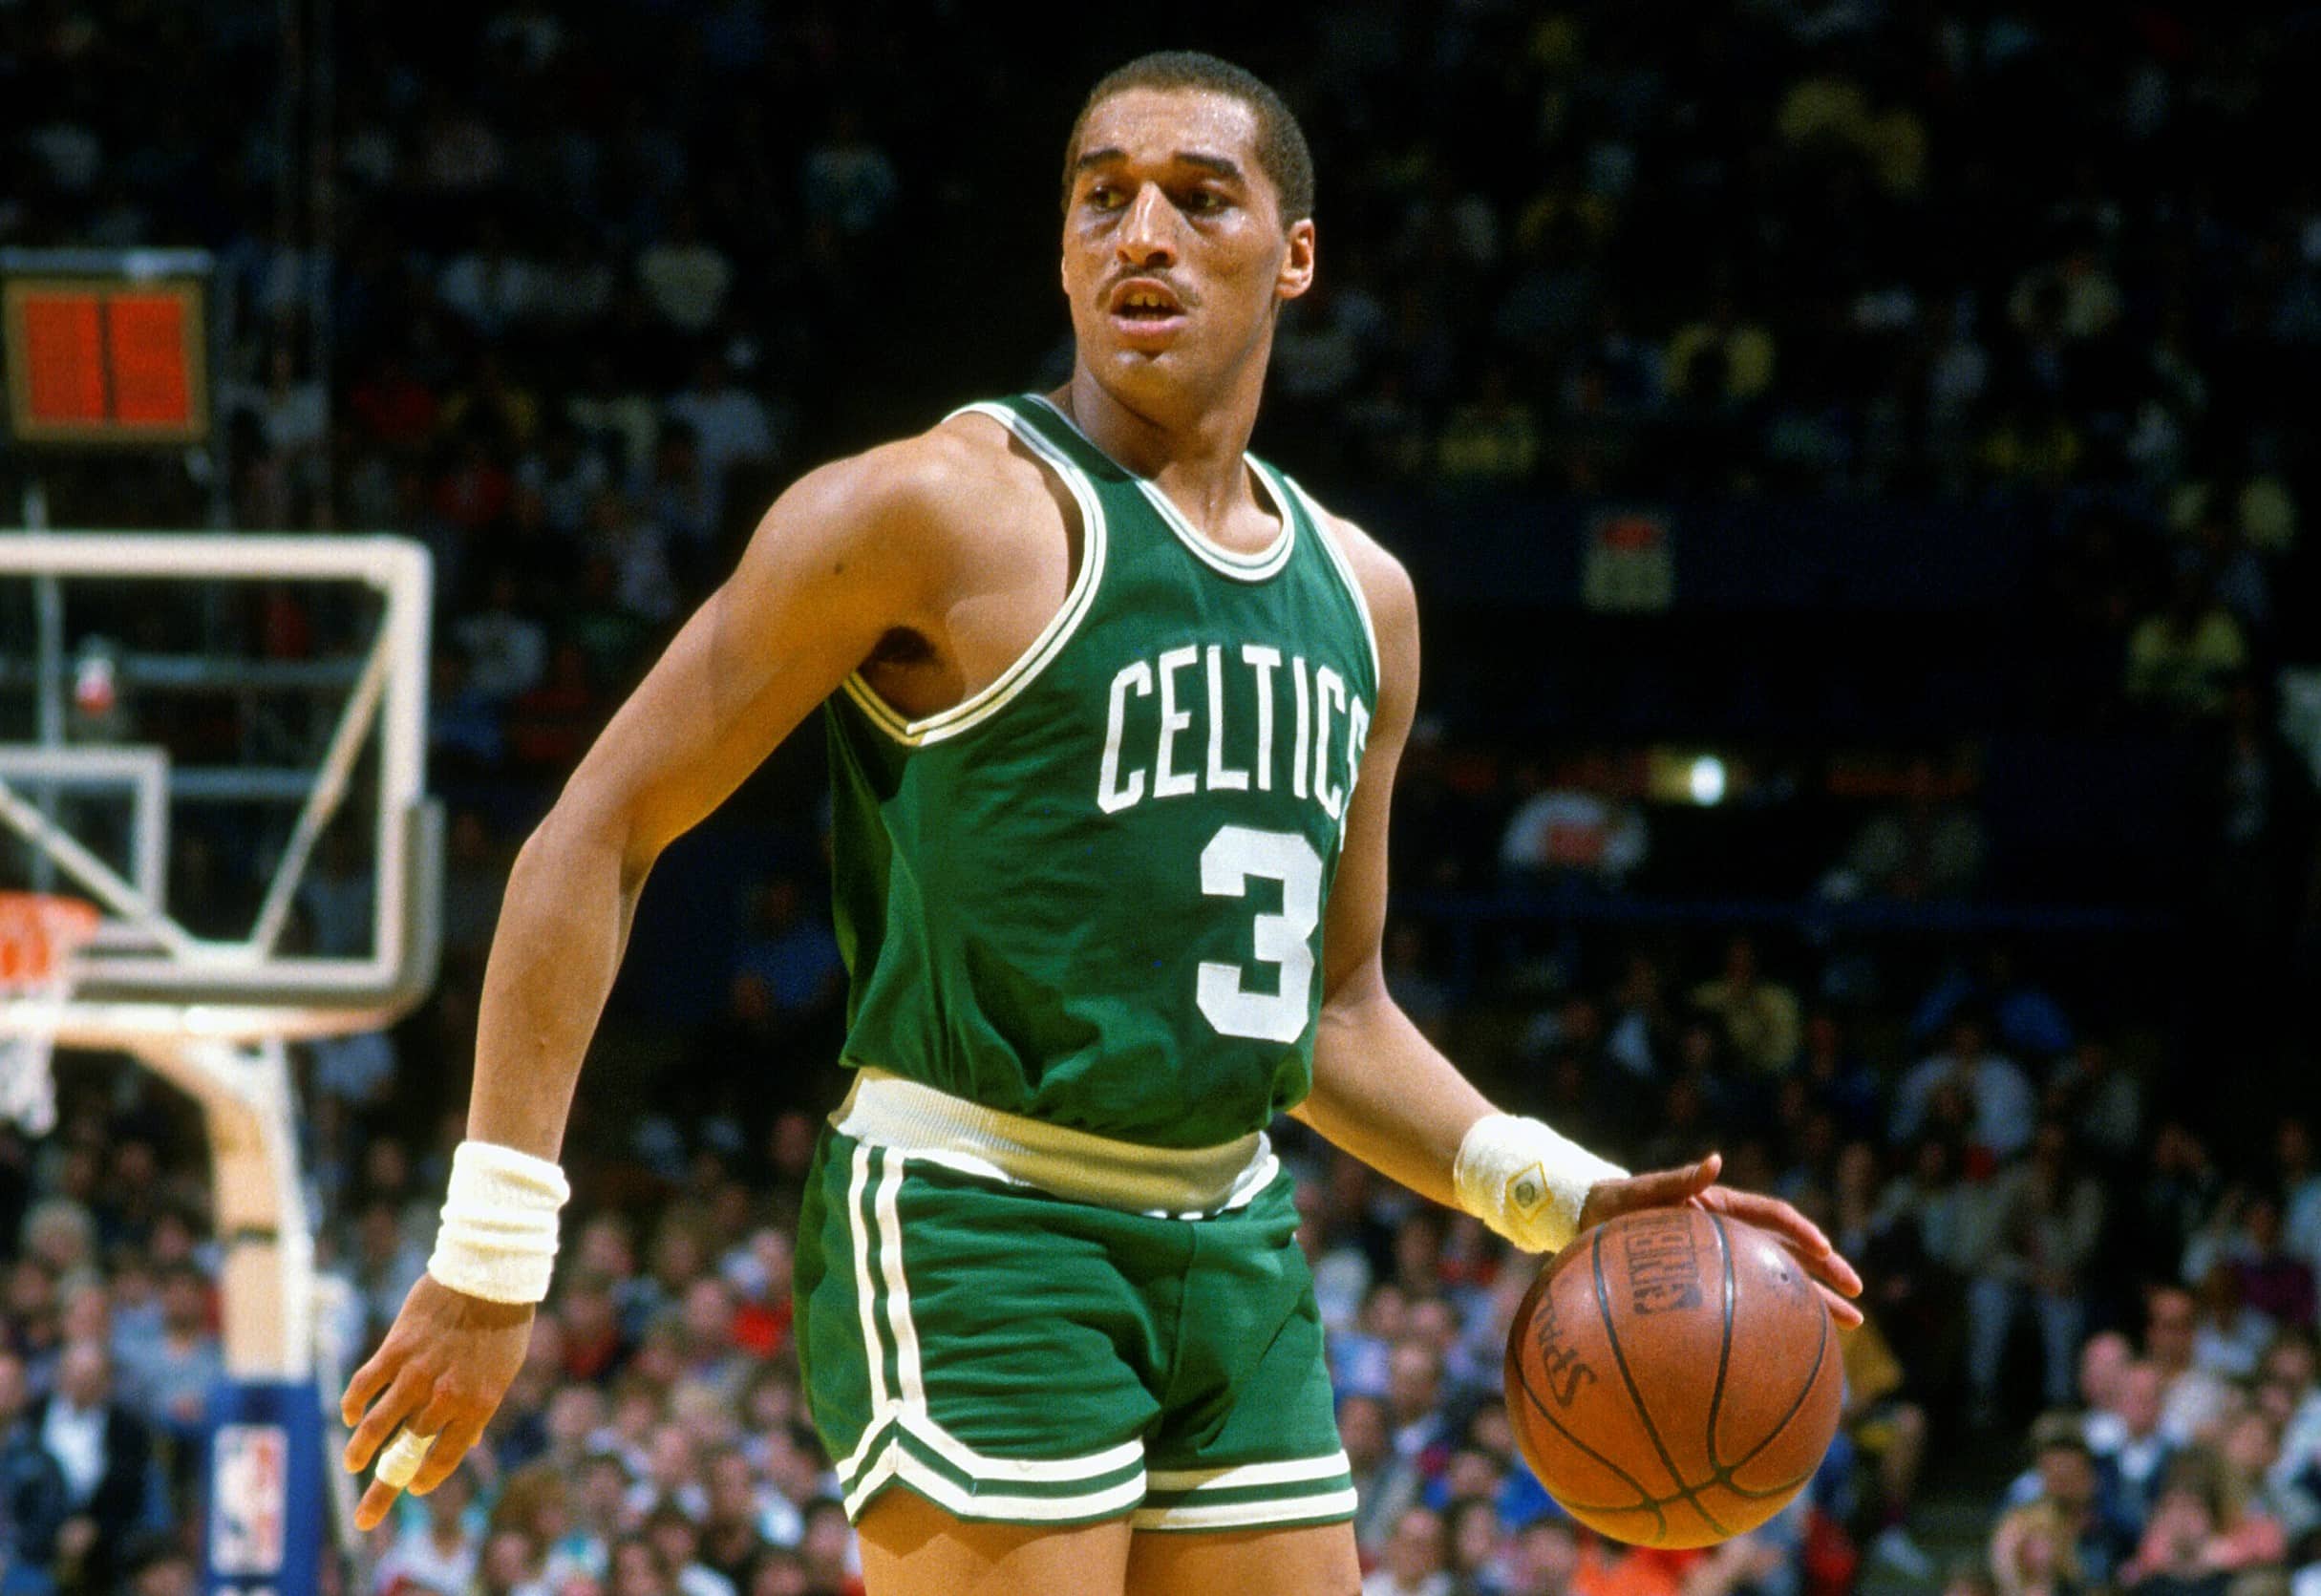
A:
(1193, 454)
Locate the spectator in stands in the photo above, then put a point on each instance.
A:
(1423, 1436)
(685, 277)
(1573, 833)
(826, 1547)
(1996, 1097)
(2100, 1097)
(563, 475)
(171, 1378)
(2245, 1243)
(1542, 1558)
(104, 1454)
(1759, 1017)
(34, 1500)
(2250, 1454)
(1494, 437)
(1929, 845)
(2181, 660)
(679, 494)
(2196, 1398)
(506, 646)
(2038, 1224)
(2026, 1019)
(729, 423)
(639, 1569)
(2204, 1527)
(1416, 1561)
(848, 181)
(2067, 1532)
(2127, 1440)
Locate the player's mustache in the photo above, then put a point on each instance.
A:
(1156, 278)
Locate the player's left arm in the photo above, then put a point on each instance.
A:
(1384, 1092)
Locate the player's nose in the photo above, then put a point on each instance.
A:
(1146, 236)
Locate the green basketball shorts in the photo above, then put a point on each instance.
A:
(1016, 1357)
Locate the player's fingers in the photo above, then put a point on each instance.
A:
(1845, 1314)
(1831, 1270)
(1659, 1188)
(409, 1391)
(376, 1501)
(452, 1443)
(368, 1381)
(446, 1408)
(1802, 1236)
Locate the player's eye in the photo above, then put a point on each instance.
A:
(1203, 202)
(1104, 196)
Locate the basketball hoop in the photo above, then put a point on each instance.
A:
(39, 932)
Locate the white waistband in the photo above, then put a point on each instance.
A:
(914, 1119)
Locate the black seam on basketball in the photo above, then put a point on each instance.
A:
(1821, 1351)
(1781, 1490)
(1645, 1501)
(1724, 1345)
(1652, 1431)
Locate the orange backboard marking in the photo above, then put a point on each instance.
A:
(64, 358)
(146, 344)
(105, 361)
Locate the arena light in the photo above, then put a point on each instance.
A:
(1706, 781)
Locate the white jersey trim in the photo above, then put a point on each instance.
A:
(1267, 562)
(979, 707)
(1345, 574)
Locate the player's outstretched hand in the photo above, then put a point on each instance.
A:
(1696, 1183)
(441, 1371)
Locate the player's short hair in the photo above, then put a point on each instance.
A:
(1281, 143)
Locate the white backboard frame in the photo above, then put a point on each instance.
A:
(149, 976)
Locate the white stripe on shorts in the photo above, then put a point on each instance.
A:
(1286, 1472)
(1232, 1515)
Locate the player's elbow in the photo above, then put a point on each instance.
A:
(581, 834)
(1349, 991)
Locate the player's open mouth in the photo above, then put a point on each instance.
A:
(1145, 306)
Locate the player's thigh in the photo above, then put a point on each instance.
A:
(1311, 1560)
(911, 1547)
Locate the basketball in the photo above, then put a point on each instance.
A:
(1673, 1377)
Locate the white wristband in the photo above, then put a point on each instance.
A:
(497, 1240)
(1526, 1182)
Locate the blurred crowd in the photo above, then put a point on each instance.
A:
(591, 284)
(598, 280)
(2051, 1251)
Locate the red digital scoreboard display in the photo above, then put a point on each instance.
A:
(98, 360)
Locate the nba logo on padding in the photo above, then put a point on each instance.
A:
(248, 1499)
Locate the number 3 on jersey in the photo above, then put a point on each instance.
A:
(1233, 856)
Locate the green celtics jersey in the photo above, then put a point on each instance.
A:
(1093, 892)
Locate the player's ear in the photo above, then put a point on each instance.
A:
(1296, 275)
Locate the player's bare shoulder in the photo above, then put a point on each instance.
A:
(1386, 587)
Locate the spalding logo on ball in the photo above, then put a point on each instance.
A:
(1673, 1377)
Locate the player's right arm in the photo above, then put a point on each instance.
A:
(851, 552)
(843, 558)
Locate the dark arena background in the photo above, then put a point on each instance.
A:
(1858, 461)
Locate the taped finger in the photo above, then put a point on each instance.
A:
(399, 1464)
(443, 1459)
(393, 1408)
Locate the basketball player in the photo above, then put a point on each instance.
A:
(1112, 711)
